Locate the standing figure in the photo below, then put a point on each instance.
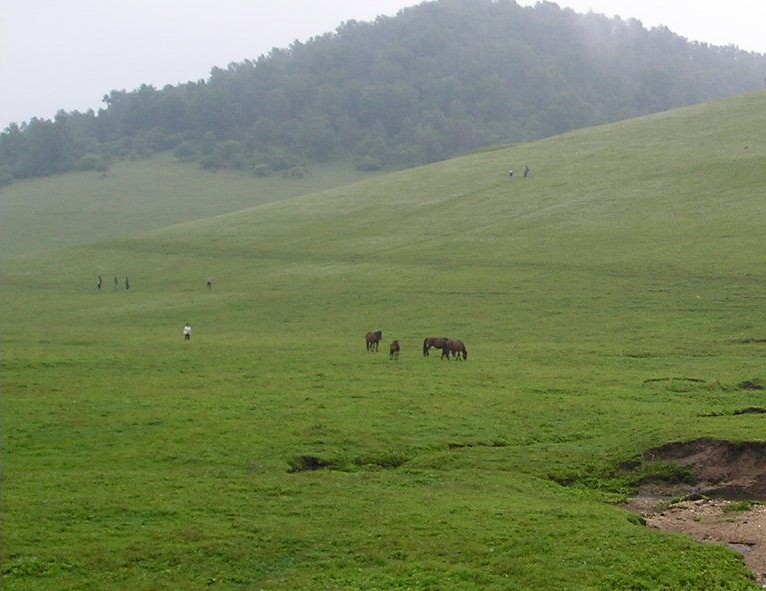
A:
(394, 350)
(127, 282)
(527, 171)
(187, 332)
(100, 282)
(510, 174)
(209, 283)
(116, 282)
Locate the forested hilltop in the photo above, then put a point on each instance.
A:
(437, 80)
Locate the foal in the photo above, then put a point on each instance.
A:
(394, 350)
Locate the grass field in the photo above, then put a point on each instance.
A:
(137, 196)
(608, 304)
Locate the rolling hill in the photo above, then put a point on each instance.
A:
(438, 80)
(137, 196)
(611, 303)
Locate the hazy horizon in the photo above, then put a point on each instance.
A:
(93, 48)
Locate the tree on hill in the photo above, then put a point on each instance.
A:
(437, 80)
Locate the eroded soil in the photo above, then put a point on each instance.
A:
(707, 520)
(725, 505)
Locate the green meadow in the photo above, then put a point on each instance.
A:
(612, 302)
(137, 196)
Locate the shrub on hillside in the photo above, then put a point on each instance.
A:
(95, 162)
(368, 163)
(186, 151)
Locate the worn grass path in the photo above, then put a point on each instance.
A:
(608, 303)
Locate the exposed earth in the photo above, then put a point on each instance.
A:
(707, 520)
(723, 506)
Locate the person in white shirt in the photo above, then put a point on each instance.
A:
(187, 332)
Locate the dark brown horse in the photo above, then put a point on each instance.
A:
(434, 342)
(457, 348)
(393, 350)
(373, 340)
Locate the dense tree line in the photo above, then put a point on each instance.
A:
(437, 80)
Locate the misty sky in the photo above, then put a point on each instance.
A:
(57, 54)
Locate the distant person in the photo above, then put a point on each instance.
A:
(510, 173)
(527, 171)
(209, 283)
(127, 282)
(100, 282)
(187, 332)
(116, 282)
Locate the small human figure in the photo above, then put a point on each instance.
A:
(100, 282)
(527, 171)
(127, 282)
(209, 283)
(187, 332)
(510, 173)
(116, 282)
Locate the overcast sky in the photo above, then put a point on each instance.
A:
(66, 54)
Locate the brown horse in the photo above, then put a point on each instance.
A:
(393, 350)
(435, 342)
(457, 348)
(373, 340)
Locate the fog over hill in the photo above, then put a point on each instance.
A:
(437, 80)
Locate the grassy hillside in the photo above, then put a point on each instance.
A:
(610, 303)
(136, 196)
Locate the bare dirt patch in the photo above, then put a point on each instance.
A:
(708, 521)
(721, 469)
(721, 503)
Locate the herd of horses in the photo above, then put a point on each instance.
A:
(454, 347)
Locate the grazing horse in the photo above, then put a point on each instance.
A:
(457, 348)
(373, 340)
(393, 350)
(435, 342)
